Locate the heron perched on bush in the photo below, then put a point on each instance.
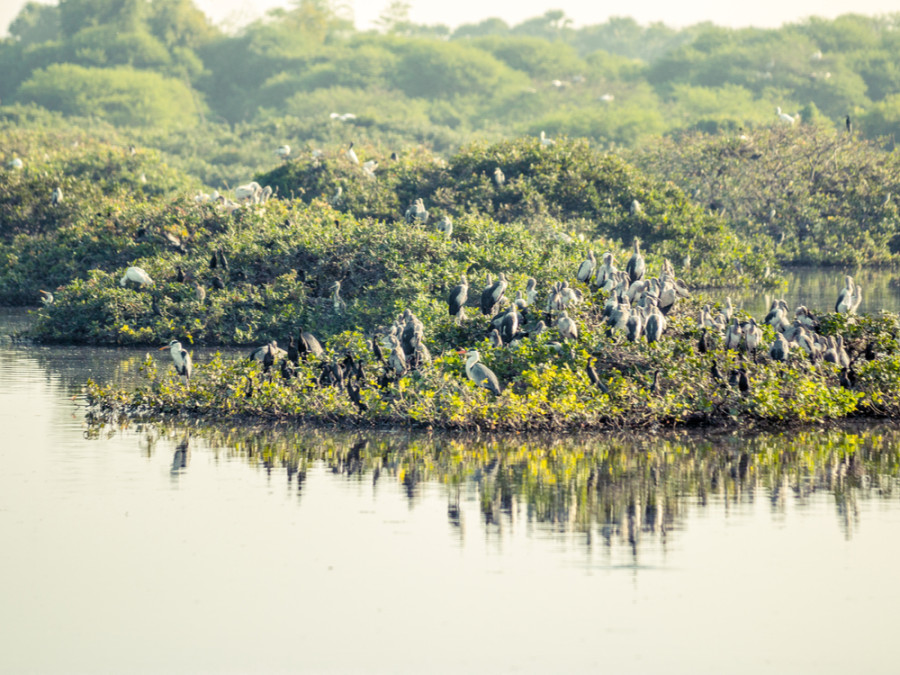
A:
(480, 374)
(136, 275)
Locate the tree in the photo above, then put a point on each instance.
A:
(35, 23)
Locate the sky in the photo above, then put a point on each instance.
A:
(762, 13)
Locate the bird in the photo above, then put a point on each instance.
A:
(336, 198)
(509, 325)
(636, 266)
(136, 275)
(499, 178)
(531, 291)
(416, 213)
(199, 292)
(283, 151)
(784, 117)
(445, 226)
(57, 196)
(480, 374)
(456, 300)
(351, 154)
(307, 343)
(181, 359)
(703, 344)
(733, 334)
(16, 163)
(342, 117)
(586, 269)
(780, 348)
(354, 394)
(369, 167)
(336, 298)
(743, 382)
(218, 284)
(492, 294)
(47, 298)
(249, 190)
(546, 141)
(844, 304)
(848, 124)
(636, 208)
(397, 358)
(270, 348)
(566, 326)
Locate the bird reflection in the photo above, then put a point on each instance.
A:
(182, 456)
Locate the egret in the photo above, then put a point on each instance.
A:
(137, 275)
(636, 208)
(351, 155)
(57, 196)
(283, 151)
(47, 298)
(546, 141)
(784, 117)
(456, 301)
(499, 178)
(636, 265)
(480, 374)
(369, 167)
(181, 359)
(342, 117)
(16, 163)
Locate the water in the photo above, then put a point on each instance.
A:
(163, 549)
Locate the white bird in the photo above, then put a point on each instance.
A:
(336, 298)
(336, 199)
(247, 191)
(607, 98)
(445, 226)
(844, 304)
(480, 374)
(16, 163)
(57, 196)
(546, 141)
(369, 167)
(531, 290)
(784, 117)
(137, 275)
(351, 155)
(636, 207)
(181, 359)
(342, 117)
(283, 151)
(499, 178)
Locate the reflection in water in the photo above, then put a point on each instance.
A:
(617, 491)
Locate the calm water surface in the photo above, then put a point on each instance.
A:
(162, 550)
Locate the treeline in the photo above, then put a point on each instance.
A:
(162, 68)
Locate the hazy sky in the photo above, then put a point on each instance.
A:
(760, 13)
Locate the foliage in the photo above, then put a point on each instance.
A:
(817, 195)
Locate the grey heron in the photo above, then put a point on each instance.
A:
(180, 358)
(480, 374)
